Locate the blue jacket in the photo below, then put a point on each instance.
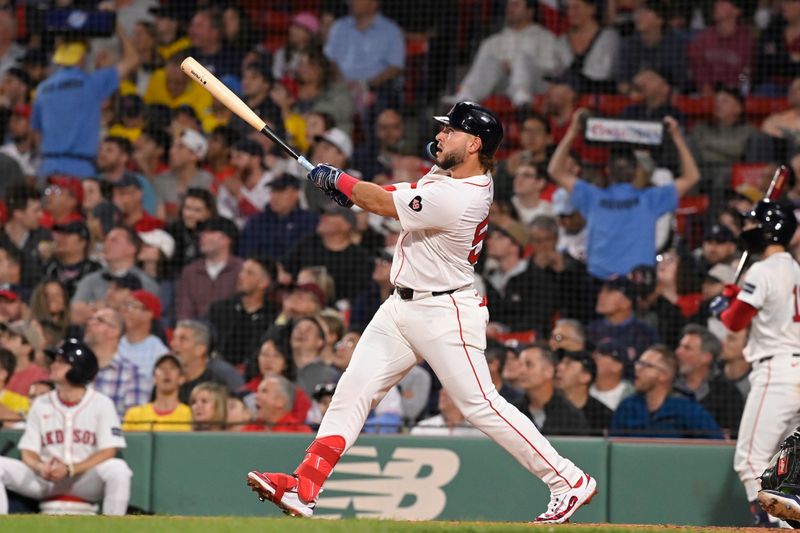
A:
(677, 417)
(273, 236)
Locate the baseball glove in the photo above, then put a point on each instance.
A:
(783, 472)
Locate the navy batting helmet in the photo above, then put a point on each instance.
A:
(80, 357)
(475, 120)
(776, 224)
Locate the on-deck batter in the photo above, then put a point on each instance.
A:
(433, 312)
(769, 302)
(71, 437)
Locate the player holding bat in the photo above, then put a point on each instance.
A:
(768, 302)
(434, 311)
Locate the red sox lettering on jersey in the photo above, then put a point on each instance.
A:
(78, 437)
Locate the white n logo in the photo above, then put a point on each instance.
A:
(398, 491)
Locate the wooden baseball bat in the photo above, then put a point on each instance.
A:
(221, 92)
(773, 193)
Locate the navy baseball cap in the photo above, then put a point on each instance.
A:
(719, 233)
(127, 180)
(583, 357)
(611, 348)
(75, 227)
(284, 181)
(125, 281)
(623, 285)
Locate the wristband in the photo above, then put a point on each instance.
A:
(346, 184)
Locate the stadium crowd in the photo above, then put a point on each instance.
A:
(221, 292)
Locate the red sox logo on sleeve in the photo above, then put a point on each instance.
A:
(416, 204)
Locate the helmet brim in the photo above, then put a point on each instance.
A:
(442, 120)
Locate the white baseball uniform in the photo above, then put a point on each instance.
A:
(71, 434)
(444, 222)
(772, 409)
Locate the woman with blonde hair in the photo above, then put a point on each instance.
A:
(209, 403)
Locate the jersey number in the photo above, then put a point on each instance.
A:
(477, 241)
(796, 293)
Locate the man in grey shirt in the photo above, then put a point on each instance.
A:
(119, 252)
(184, 172)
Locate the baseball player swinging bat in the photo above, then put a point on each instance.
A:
(221, 92)
(773, 193)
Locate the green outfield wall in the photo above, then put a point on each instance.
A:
(424, 478)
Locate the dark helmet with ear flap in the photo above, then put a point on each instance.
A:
(475, 120)
(775, 224)
(80, 357)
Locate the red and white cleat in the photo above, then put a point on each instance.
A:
(563, 506)
(280, 489)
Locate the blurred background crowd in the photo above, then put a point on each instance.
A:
(221, 292)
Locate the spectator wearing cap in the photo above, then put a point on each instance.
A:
(138, 345)
(13, 406)
(184, 117)
(214, 275)
(120, 249)
(187, 151)
(191, 343)
(506, 62)
(256, 86)
(165, 412)
(61, 200)
(722, 53)
(349, 265)
(572, 233)
(198, 205)
(621, 219)
(24, 340)
(698, 373)
(170, 87)
(657, 299)
(66, 111)
(334, 146)
(546, 406)
(615, 304)
(150, 152)
(10, 51)
(155, 257)
(240, 321)
(127, 197)
(609, 386)
(654, 410)
(70, 262)
(303, 34)
(653, 43)
(719, 248)
(11, 306)
(206, 33)
(120, 289)
(117, 377)
(565, 276)
(245, 193)
(21, 146)
(274, 403)
(575, 373)
(218, 156)
(23, 233)
(114, 158)
(513, 283)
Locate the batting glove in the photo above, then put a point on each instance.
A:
(325, 177)
(340, 198)
(718, 305)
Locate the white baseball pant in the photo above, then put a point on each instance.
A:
(449, 332)
(109, 481)
(771, 413)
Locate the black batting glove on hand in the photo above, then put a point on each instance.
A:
(718, 305)
(325, 177)
(340, 198)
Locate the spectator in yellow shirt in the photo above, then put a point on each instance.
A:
(13, 406)
(165, 412)
(169, 86)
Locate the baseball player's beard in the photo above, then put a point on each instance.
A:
(450, 160)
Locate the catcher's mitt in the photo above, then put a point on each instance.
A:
(783, 472)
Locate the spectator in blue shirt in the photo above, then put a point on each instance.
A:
(66, 112)
(615, 303)
(281, 225)
(654, 411)
(369, 52)
(621, 218)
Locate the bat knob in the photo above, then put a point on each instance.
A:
(430, 149)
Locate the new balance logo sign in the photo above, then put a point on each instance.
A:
(409, 487)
